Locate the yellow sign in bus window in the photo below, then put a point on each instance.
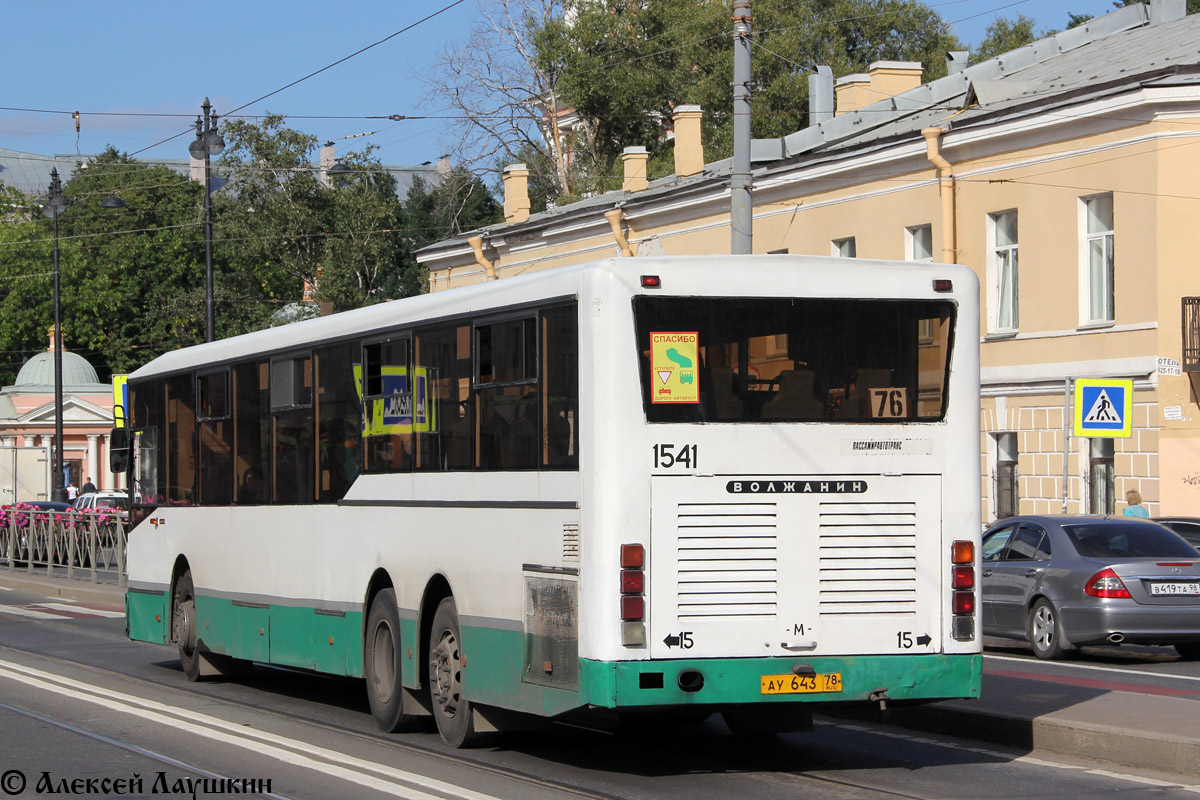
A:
(674, 367)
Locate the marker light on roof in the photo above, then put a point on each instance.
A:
(651, 282)
(943, 285)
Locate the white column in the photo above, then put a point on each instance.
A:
(93, 460)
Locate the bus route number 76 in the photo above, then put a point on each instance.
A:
(667, 456)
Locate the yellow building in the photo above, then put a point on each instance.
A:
(1076, 159)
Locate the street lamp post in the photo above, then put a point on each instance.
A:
(55, 205)
(208, 143)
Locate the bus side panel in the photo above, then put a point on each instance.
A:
(236, 628)
(494, 676)
(146, 616)
(319, 639)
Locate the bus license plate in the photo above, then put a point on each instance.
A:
(801, 684)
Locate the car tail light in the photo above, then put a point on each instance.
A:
(1105, 583)
(962, 581)
(633, 589)
(963, 578)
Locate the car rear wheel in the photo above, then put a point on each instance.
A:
(1045, 632)
(1189, 650)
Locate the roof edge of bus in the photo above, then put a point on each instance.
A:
(512, 290)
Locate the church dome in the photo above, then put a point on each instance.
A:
(39, 370)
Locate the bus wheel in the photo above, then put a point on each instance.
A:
(196, 665)
(450, 709)
(381, 647)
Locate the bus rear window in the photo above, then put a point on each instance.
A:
(706, 359)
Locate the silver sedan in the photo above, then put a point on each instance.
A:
(1060, 582)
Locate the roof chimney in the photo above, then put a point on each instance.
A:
(957, 61)
(820, 95)
(515, 179)
(327, 162)
(853, 92)
(634, 160)
(1167, 10)
(890, 78)
(689, 149)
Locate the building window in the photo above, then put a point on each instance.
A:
(918, 242)
(1098, 257)
(1002, 270)
(844, 248)
(1007, 496)
(1100, 477)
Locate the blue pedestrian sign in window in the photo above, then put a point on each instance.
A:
(1103, 408)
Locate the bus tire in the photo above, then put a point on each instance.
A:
(451, 710)
(381, 667)
(183, 632)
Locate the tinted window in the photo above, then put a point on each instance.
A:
(1027, 545)
(1127, 540)
(993, 545)
(794, 359)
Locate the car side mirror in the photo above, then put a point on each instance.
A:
(118, 450)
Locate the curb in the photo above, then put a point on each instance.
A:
(67, 588)
(1123, 745)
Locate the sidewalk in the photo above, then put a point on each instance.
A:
(78, 588)
(1145, 727)
(1133, 725)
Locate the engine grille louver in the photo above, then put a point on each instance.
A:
(727, 560)
(867, 557)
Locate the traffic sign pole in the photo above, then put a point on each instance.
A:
(1066, 437)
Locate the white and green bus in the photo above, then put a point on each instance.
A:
(746, 485)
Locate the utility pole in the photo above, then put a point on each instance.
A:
(741, 205)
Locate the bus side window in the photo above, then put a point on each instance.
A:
(448, 441)
(560, 388)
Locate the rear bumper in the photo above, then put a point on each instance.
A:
(1094, 624)
(728, 681)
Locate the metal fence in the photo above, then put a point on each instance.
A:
(58, 543)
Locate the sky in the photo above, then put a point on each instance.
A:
(137, 71)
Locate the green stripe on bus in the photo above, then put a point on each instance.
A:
(629, 684)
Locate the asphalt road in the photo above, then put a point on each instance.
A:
(78, 701)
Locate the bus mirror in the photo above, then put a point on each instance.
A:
(118, 450)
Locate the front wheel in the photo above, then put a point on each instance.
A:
(451, 710)
(381, 646)
(1046, 633)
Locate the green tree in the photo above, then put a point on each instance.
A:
(627, 64)
(1004, 35)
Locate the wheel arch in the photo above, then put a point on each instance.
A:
(380, 580)
(436, 590)
(178, 569)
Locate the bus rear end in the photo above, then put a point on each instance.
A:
(787, 503)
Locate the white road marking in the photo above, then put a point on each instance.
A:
(290, 751)
(29, 612)
(1040, 762)
(97, 612)
(1098, 668)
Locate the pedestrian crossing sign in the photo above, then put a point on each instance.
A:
(1104, 408)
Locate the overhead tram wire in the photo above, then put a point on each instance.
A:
(405, 29)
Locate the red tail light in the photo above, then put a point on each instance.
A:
(1105, 583)
(633, 609)
(964, 602)
(633, 581)
(963, 578)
